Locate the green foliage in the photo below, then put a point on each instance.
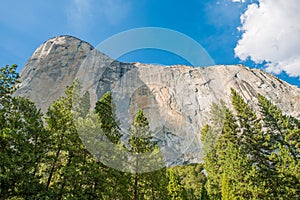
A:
(105, 109)
(284, 140)
(247, 154)
(210, 134)
(23, 141)
(23, 146)
(145, 185)
(175, 189)
(140, 140)
(225, 188)
(193, 180)
(84, 105)
(8, 80)
(68, 158)
(252, 157)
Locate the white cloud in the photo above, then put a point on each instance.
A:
(81, 13)
(242, 1)
(271, 33)
(114, 10)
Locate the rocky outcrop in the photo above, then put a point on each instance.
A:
(176, 99)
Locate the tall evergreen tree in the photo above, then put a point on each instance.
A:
(24, 144)
(23, 141)
(69, 158)
(105, 109)
(193, 180)
(117, 181)
(155, 185)
(255, 143)
(284, 138)
(140, 142)
(225, 187)
(215, 161)
(84, 104)
(259, 156)
(175, 189)
(230, 154)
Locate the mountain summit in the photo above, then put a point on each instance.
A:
(175, 98)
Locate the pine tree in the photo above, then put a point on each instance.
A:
(215, 161)
(225, 187)
(69, 158)
(284, 139)
(259, 156)
(117, 181)
(204, 195)
(140, 142)
(23, 141)
(255, 143)
(105, 109)
(24, 145)
(211, 165)
(175, 189)
(84, 105)
(211, 133)
(156, 184)
(230, 154)
(249, 127)
(192, 178)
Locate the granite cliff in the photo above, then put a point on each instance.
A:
(176, 99)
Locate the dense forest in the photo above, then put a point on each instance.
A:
(247, 154)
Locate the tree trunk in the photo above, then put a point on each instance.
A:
(52, 168)
(152, 191)
(64, 176)
(136, 179)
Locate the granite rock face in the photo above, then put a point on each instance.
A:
(176, 99)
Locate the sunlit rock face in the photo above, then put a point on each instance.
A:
(175, 99)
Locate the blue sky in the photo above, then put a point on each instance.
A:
(215, 24)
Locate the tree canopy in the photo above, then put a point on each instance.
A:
(248, 153)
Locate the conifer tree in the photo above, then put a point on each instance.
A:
(105, 109)
(23, 141)
(193, 180)
(69, 158)
(140, 142)
(225, 187)
(84, 104)
(204, 195)
(228, 156)
(175, 189)
(284, 138)
(215, 161)
(23, 147)
(117, 182)
(156, 182)
(255, 143)
(260, 156)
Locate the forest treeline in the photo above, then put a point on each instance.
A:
(247, 154)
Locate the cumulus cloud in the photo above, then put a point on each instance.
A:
(271, 34)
